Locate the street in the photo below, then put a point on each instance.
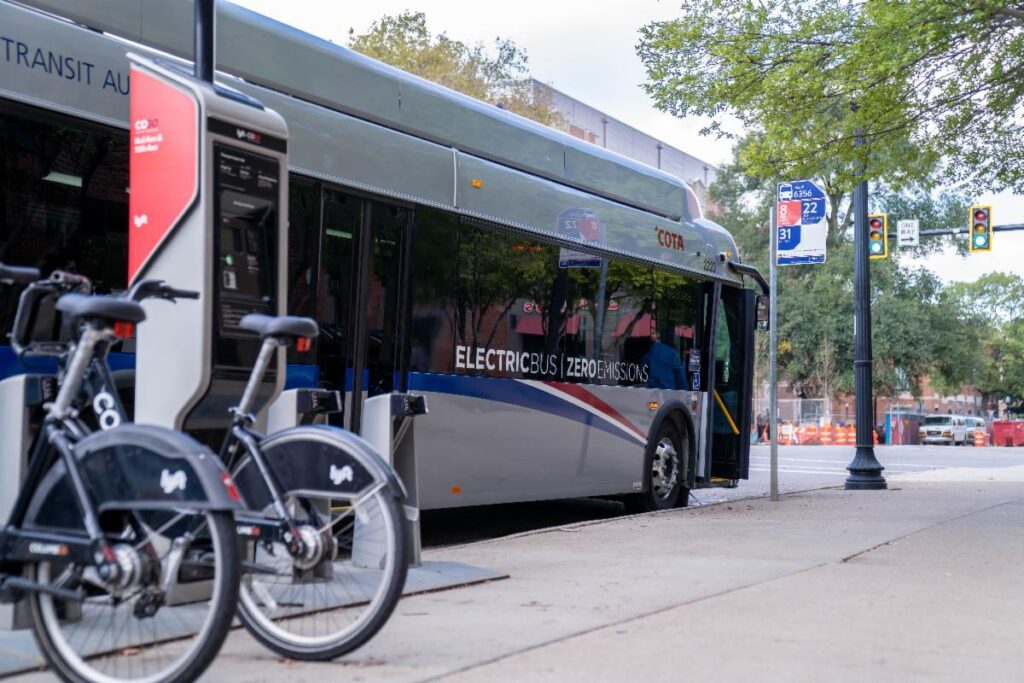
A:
(800, 468)
(806, 467)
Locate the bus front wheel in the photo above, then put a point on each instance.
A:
(664, 471)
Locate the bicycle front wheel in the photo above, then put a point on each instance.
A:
(329, 605)
(141, 631)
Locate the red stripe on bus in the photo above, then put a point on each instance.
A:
(581, 394)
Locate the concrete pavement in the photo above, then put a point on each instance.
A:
(923, 581)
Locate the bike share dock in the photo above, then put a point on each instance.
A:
(208, 205)
(18, 651)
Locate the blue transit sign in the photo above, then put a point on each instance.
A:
(801, 223)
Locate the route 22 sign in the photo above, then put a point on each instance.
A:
(801, 224)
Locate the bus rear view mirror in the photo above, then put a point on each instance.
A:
(764, 306)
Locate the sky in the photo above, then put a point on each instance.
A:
(587, 50)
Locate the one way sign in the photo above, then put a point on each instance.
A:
(908, 233)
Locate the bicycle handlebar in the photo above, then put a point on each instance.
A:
(25, 318)
(157, 289)
(18, 275)
(61, 282)
(70, 282)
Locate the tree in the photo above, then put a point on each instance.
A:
(988, 351)
(920, 80)
(915, 331)
(404, 41)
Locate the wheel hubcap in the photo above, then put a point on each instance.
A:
(664, 468)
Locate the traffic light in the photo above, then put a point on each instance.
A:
(878, 235)
(981, 228)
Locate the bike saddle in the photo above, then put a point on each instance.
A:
(280, 326)
(108, 309)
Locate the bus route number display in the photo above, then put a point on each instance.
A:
(801, 223)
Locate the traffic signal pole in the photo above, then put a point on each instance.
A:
(865, 470)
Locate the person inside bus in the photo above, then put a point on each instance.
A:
(664, 366)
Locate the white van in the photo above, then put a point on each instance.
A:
(950, 430)
(975, 424)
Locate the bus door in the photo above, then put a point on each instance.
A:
(730, 399)
(364, 288)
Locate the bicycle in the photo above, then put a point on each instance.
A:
(327, 553)
(122, 539)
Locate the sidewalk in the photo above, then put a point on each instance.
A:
(923, 581)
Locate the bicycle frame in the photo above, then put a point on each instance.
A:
(250, 524)
(335, 465)
(87, 381)
(60, 429)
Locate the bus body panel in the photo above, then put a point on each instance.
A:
(494, 440)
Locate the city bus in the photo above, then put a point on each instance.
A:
(578, 328)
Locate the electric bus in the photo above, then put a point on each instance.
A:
(577, 327)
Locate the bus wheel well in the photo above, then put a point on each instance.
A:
(680, 418)
(671, 423)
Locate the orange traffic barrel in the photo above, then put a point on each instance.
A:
(979, 437)
(840, 435)
(810, 435)
(826, 435)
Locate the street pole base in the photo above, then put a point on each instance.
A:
(865, 471)
(866, 481)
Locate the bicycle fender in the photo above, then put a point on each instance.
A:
(142, 467)
(318, 460)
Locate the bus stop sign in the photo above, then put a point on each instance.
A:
(801, 223)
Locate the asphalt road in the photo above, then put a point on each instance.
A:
(800, 468)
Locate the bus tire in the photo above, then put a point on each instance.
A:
(665, 462)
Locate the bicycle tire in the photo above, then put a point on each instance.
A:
(293, 619)
(381, 606)
(73, 667)
(148, 627)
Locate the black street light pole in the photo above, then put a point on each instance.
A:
(865, 470)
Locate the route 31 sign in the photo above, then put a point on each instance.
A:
(801, 223)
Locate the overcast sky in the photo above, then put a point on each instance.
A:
(587, 50)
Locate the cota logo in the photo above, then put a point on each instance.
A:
(669, 239)
(106, 411)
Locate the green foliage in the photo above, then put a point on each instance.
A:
(988, 352)
(921, 80)
(404, 41)
(919, 328)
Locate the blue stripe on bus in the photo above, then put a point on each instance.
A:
(10, 364)
(513, 393)
(297, 375)
(301, 376)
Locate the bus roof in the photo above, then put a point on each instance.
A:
(289, 69)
